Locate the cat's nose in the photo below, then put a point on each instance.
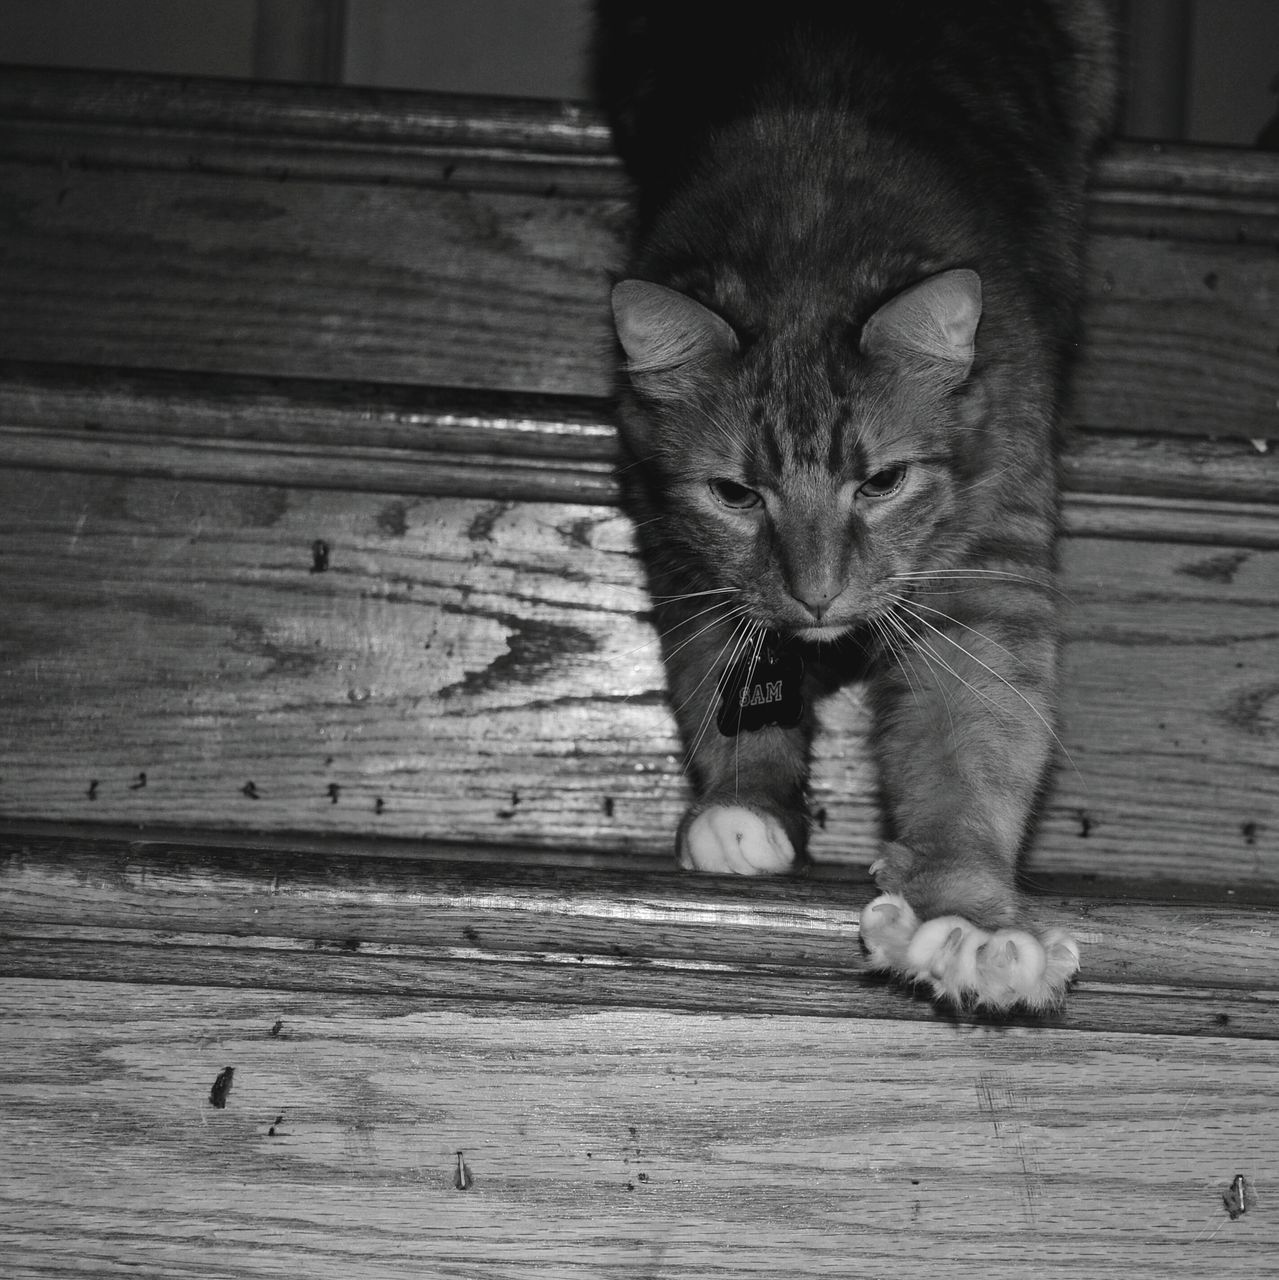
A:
(815, 598)
(815, 581)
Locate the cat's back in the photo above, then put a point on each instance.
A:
(989, 82)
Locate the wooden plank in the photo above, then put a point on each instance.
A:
(166, 912)
(136, 217)
(1183, 336)
(594, 1141)
(485, 671)
(588, 1040)
(203, 272)
(1132, 179)
(382, 438)
(376, 117)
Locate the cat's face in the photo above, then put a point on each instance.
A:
(809, 478)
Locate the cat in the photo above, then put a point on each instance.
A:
(845, 330)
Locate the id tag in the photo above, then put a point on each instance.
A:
(763, 687)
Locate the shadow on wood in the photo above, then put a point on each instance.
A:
(337, 778)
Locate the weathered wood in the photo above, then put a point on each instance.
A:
(137, 209)
(310, 525)
(593, 1044)
(381, 438)
(473, 670)
(596, 1141)
(171, 913)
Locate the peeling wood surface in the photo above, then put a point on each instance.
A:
(466, 669)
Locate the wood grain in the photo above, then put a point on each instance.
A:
(382, 438)
(688, 1071)
(308, 524)
(473, 670)
(228, 228)
(601, 1141)
(168, 912)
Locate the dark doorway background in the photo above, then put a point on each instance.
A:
(1195, 70)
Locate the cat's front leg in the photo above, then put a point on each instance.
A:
(750, 815)
(963, 741)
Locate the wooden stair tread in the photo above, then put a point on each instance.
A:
(334, 748)
(595, 1045)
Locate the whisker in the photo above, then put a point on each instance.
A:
(896, 651)
(737, 744)
(684, 622)
(991, 671)
(739, 643)
(985, 479)
(902, 600)
(692, 595)
(925, 575)
(738, 611)
(932, 660)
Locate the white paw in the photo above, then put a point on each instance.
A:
(726, 839)
(965, 964)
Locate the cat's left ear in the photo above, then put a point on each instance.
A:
(936, 318)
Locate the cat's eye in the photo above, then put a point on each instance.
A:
(731, 494)
(884, 483)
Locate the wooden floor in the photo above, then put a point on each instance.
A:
(250, 1062)
(338, 930)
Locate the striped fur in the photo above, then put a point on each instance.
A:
(847, 323)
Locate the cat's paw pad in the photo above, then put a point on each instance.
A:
(966, 965)
(731, 840)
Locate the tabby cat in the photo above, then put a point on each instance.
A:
(846, 326)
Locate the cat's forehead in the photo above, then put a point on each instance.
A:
(814, 408)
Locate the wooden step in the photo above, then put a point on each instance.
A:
(337, 928)
(434, 241)
(243, 1060)
(364, 334)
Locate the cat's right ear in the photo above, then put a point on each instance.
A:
(935, 320)
(665, 333)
